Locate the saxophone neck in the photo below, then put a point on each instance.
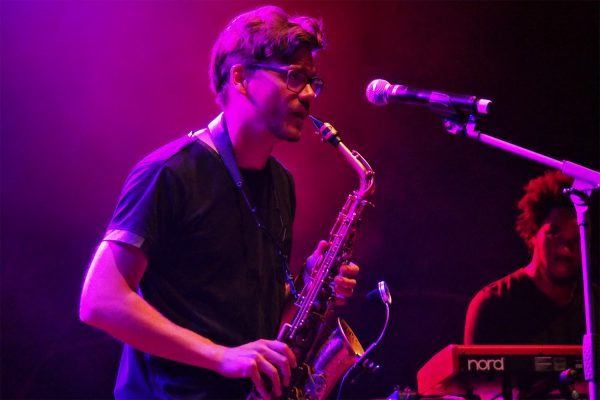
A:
(364, 171)
(330, 135)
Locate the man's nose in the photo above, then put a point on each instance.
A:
(571, 243)
(307, 92)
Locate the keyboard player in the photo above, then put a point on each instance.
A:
(540, 303)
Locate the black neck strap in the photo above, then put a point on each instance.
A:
(217, 129)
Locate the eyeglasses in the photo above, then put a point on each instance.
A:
(296, 79)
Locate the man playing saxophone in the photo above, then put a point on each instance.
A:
(185, 276)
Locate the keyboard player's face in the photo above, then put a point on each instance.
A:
(557, 250)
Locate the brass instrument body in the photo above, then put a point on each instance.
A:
(324, 352)
(324, 356)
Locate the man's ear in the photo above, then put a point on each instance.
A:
(237, 78)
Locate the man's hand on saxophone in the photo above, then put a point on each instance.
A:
(343, 283)
(267, 363)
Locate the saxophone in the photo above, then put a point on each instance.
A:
(325, 352)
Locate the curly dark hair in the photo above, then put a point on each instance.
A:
(542, 194)
(264, 34)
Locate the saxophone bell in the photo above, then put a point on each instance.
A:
(340, 351)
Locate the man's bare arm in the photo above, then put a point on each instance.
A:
(109, 301)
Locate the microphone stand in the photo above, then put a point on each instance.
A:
(585, 182)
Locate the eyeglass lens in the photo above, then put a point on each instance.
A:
(297, 80)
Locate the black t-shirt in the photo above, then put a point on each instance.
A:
(513, 310)
(209, 267)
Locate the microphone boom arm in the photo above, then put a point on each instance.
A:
(468, 129)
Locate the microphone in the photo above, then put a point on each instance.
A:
(381, 92)
(381, 293)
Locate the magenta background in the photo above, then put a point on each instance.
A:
(88, 88)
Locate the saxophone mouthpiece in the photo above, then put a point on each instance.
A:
(327, 132)
(318, 123)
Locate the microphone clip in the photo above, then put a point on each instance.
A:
(460, 126)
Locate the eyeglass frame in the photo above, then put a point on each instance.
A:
(310, 80)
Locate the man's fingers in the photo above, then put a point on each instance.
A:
(340, 301)
(283, 349)
(343, 288)
(341, 282)
(281, 363)
(281, 356)
(349, 269)
(320, 250)
(322, 246)
(270, 371)
(315, 257)
(343, 293)
(258, 383)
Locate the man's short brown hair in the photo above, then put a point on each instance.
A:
(264, 34)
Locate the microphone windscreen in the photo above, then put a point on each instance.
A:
(381, 293)
(376, 92)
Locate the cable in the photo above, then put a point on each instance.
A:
(369, 349)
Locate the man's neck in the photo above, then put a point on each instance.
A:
(560, 293)
(252, 147)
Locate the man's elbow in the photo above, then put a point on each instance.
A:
(91, 310)
(87, 312)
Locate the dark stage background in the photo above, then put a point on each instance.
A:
(90, 87)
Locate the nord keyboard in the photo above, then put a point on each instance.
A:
(500, 371)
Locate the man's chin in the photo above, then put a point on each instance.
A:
(291, 134)
(564, 278)
(294, 138)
